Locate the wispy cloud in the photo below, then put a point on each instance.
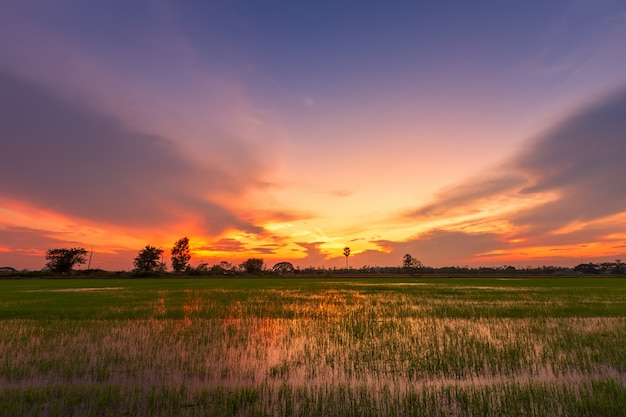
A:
(343, 192)
(65, 157)
(23, 247)
(223, 245)
(150, 132)
(462, 198)
(314, 254)
(26, 240)
(579, 163)
(581, 160)
(440, 247)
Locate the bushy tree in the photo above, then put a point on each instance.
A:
(224, 268)
(253, 265)
(180, 255)
(149, 259)
(63, 260)
(410, 264)
(589, 268)
(283, 268)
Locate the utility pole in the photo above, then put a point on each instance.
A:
(90, 256)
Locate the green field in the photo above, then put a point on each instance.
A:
(302, 347)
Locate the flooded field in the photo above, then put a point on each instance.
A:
(470, 347)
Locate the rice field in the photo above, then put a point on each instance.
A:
(313, 347)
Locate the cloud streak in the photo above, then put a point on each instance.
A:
(63, 156)
(580, 160)
(579, 163)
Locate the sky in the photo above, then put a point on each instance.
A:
(483, 133)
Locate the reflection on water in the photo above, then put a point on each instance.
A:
(386, 341)
(78, 289)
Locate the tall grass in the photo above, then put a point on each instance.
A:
(370, 347)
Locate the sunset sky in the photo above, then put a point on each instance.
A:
(464, 133)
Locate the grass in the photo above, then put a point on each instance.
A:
(300, 347)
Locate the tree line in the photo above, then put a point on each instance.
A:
(150, 260)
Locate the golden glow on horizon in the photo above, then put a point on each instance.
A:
(329, 234)
(572, 251)
(52, 226)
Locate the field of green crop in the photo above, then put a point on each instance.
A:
(305, 347)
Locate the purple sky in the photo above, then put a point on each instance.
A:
(481, 132)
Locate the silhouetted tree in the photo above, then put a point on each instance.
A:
(253, 265)
(63, 260)
(410, 264)
(180, 255)
(283, 268)
(226, 266)
(149, 259)
(589, 268)
(223, 268)
(346, 253)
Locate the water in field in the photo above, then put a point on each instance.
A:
(365, 346)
